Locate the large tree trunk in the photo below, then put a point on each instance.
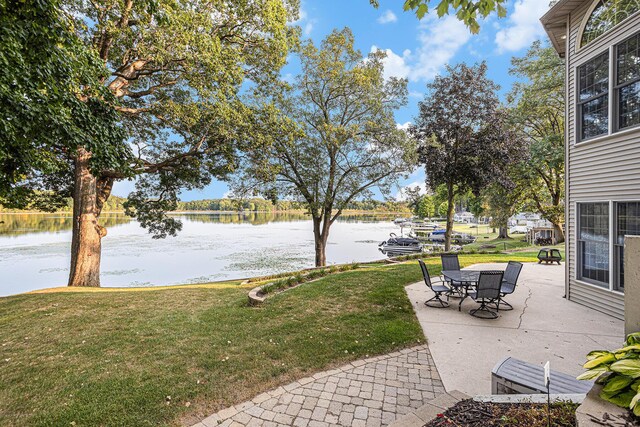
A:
(87, 233)
(559, 233)
(450, 212)
(503, 232)
(320, 236)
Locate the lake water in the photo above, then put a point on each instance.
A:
(34, 248)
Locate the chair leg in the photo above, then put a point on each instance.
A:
(436, 300)
(508, 306)
(488, 314)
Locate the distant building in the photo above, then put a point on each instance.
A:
(600, 41)
(464, 217)
(524, 218)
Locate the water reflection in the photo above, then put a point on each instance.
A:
(21, 223)
(34, 248)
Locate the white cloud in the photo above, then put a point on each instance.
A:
(523, 25)
(308, 28)
(387, 17)
(401, 195)
(305, 22)
(403, 126)
(440, 39)
(395, 65)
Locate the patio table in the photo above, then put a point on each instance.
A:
(466, 279)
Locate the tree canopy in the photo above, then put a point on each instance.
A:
(337, 137)
(537, 110)
(52, 102)
(463, 135)
(467, 11)
(149, 90)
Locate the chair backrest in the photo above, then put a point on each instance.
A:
(489, 284)
(512, 272)
(425, 273)
(450, 262)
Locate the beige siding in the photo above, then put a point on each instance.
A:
(604, 169)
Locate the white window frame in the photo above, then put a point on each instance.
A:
(612, 95)
(578, 263)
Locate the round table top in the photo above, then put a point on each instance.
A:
(462, 275)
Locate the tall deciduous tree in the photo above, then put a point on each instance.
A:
(52, 102)
(338, 138)
(468, 11)
(538, 112)
(173, 70)
(462, 134)
(425, 207)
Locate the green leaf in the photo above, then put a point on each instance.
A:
(629, 367)
(633, 338)
(443, 8)
(594, 373)
(422, 10)
(616, 384)
(607, 358)
(502, 11)
(597, 353)
(633, 347)
(635, 404)
(623, 399)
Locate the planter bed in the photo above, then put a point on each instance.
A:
(470, 413)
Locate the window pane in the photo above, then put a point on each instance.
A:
(606, 15)
(628, 224)
(629, 59)
(593, 247)
(629, 105)
(594, 77)
(595, 117)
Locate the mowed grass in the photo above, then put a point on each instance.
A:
(173, 356)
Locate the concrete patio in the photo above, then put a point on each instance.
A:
(542, 327)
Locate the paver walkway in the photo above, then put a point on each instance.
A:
(369, 392)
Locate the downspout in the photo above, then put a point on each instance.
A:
(567, 198)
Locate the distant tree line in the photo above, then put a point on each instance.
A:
(116, 204)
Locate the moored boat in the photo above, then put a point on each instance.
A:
(400, 244)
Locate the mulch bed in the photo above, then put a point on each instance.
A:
(469, 413)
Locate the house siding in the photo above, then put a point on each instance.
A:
(605, 169)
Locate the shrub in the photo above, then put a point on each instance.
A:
(619, 372)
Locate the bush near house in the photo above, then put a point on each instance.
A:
(619, 371)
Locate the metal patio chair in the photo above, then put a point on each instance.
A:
(487, 293)
(438, 289)
(509, 283)
(450, 262)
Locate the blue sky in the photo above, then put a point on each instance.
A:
(417, 50)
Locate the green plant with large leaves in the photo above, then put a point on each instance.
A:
(619, 372)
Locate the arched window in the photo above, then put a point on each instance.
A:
(605, 15)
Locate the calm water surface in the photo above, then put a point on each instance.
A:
(34, 248)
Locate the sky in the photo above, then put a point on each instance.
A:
(416, 49)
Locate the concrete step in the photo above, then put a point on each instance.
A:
(430, 410)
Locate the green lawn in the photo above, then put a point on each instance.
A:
(111, 357)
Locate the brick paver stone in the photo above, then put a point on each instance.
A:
(371, 392)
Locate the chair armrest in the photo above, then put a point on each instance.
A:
(439, 279)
